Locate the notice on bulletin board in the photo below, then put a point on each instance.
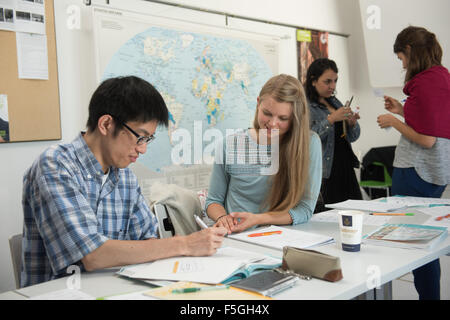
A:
(23, 16)
(4, 119)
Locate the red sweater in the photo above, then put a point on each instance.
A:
(427, 108)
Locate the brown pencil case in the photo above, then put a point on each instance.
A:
(311, 263)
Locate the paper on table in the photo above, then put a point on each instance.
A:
(229, 294)
(417, 201)
(365, 205)
(436, 212)
(64, 294)
(288, 237)
(32, 56)
(332, 216)
(213, 269)
(140, 295)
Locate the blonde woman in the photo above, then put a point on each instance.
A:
(246, 189)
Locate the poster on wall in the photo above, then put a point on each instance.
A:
(209, 78)
(311, 45)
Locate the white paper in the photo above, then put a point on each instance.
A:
(32, 56)
(4, 107)
(417, 201)
(7, 15)
(64, 294)
(288, 237)
(213, 269)
(131, 296)
(365, 205)
(23, 16)
(436, 212)
(332, 216)
(378, 92)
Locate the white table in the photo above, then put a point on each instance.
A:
(359, 269)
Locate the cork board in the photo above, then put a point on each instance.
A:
(33, 105)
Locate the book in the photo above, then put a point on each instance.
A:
(410, 236)
(278, 237)
(267, 283)
(227, 265)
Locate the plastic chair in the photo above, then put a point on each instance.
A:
(15, 246)
(374, 184)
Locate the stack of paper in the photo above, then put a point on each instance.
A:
(277, 237)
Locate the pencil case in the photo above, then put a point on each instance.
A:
(311, 263)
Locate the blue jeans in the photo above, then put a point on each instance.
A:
(406, 182)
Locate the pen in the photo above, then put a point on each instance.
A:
(200, 222)
(391, 214)
(264, 233)
(189, 290)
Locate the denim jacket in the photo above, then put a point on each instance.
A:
(319, 124)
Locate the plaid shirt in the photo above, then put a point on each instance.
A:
(68, 213)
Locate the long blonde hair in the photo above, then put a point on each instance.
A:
(288, 184)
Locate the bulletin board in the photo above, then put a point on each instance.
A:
(33, 105)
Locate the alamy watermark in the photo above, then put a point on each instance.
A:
(241, 150)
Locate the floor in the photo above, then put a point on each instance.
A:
(403, 287)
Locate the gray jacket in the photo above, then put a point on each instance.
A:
(319, 123)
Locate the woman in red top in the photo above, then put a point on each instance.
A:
(422, 156)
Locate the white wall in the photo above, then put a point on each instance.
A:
(77, 81)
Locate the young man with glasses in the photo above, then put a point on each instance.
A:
(83, 205)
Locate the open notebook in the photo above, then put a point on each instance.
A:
(278, 237)
(227, 265)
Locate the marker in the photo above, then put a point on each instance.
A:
(200, 222)
(175, 266)
(443, 217)
(189, 290)
(390, 214)
(264, 233)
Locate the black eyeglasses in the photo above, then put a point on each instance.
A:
(140, 139)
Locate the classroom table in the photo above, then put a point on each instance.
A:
(362, 271)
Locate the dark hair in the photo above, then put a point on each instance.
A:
(425, 51)
(315, 70)
(127, 99)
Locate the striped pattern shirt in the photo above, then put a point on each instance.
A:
(69, 212)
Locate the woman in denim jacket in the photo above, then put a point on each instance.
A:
(337, 127)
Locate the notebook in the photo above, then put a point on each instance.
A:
(267, 283)
(227, 265)
(277, 237)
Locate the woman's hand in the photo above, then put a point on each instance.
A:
(246, 220)
(386, 120)
(392, 105)
(343, 113)
(226, 221)
(353, 119)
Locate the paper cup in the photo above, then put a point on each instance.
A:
(350, 225)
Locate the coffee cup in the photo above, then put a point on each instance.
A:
(350, 225)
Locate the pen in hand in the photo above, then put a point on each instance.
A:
(200, 222)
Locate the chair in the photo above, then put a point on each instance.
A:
(15, 246)
(376, 184)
